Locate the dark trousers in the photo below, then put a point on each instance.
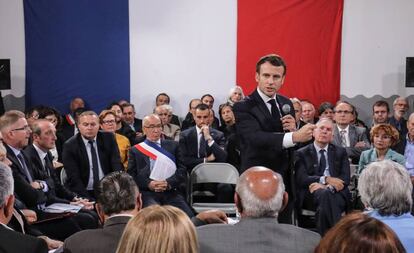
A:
(173, 198)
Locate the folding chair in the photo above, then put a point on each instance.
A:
(213, 173)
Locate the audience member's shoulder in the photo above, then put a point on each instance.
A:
(72, 139)
(20, 242)
(187, 131)
(75, 239)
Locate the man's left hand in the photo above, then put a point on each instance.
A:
(289, 123)
(316, 186)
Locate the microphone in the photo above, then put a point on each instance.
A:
(286, 109)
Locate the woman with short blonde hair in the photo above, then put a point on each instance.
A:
(157, 228)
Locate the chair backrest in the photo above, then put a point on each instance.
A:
(214, 173)
(63, 176)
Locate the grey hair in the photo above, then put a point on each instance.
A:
(256, 207)
(295, 100)
(386, 186)
(6, 183)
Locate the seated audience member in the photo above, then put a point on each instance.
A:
(122, 128)
(229, 130)
(108, 124)
(170, 130)
(53, 116)
(297, 106)
(322, 176)
(164, 99)
(11, 241)
(353, 139)
(128, 113)
(235, 95)
(383, 137)
(260, 196)
(66, 130)
(32, 114)
(75, 104)
(159, 229)
(359, 233)
(157, 168)
(406, 146)
(400, 107)
(208, 100)
(189, 118)
(380, 112)
(308, 112)
(357, 122)
(326, 110)
(385, 189)
(89, 156)
(202, 143)
(118, 199)
(31, 192)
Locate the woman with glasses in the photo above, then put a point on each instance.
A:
(107, 120)
(383, 136)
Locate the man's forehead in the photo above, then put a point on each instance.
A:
(88, 118)
(380, 108)
(202, 112)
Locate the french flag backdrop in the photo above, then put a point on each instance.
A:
(109, 50)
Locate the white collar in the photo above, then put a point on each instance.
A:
(42, 154)
(319, 149)
(346, 128)
(264, 97)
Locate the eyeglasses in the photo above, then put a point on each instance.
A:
(345, 112)
(153, 126)
(108, 122)
(25, 128)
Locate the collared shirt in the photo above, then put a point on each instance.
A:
(346, 129)
(288, 136)
(152, 161)
(198, 138)
(402, 225)
(409, 156)
(318, 149)
(88, 151)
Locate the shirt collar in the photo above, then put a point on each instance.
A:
(86, 141)
(346, 128)
(264, 97)
(40, 152)
(15, 151)
(318, 148)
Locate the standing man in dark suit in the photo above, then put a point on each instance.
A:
(266, 131)
(202, 143)
(260, 195)
(89, 156)
(11, 241)
(118, 199)
(322, 175)
(156, 167)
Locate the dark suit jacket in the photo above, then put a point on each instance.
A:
(57, 192)
(189, 147)
(256, 235)
(306, 167)
(261, 135)
(138, 125)
(101, 240)
(14, 242)
(29, 196)
(76, 162)
(356, 134)
(139, 166)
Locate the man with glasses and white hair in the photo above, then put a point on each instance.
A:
(260, 196)
(11, 241)
(386, 191)
(156, 167)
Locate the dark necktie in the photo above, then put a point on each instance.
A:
(25, 169)
(48, 165)
(322, 162)
(95, 168)
(202, 150)
(275, 111)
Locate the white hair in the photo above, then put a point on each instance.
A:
(256, 207)
(386, 186)
(6, 183)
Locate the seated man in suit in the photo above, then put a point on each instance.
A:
(68, 128)
(260, 196)
(156, 167)
(354, 139)
(189, 118)
(89, 156)
(128, 116)
(202, 143)
(322, 176)
(11, 241)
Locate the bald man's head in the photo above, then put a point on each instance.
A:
(260, 192)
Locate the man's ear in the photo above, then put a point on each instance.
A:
(238, 202)
(284, 201)
(257, 77)
(138, 205)
(99, 211)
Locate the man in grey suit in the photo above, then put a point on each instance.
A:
(118, 199)
(260, 196)
(354, 139)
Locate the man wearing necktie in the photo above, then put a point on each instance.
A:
(267, 132)
(322, 176)
(89, 155)
(156, 167)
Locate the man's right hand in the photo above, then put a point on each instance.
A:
(304, 134)
(212, 216)
(337, 183)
